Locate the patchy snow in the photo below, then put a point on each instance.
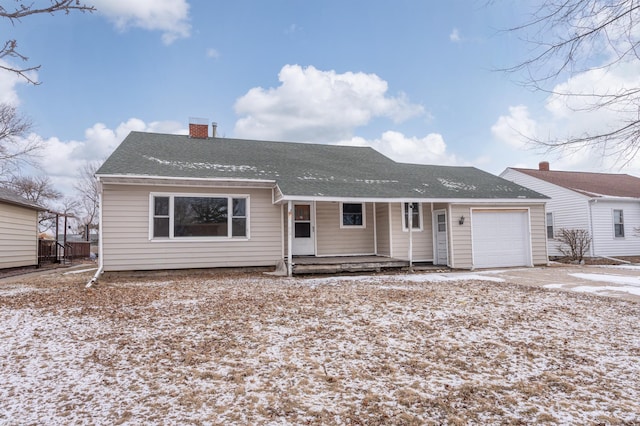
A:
(248, 349)
(456, 186)
(632, 267)
(608, 278)
(210, 166)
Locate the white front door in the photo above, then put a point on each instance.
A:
(440, 233)
(303, 230)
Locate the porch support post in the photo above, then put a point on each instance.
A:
(375, 231)
(410, 210)
(289, 238)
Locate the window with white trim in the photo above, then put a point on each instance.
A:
(416, 216)
(198, 216)
(618, 223)
(550, 226)
(352, 215)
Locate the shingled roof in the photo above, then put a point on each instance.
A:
(596, 185)
(11, 197)
(302, 169)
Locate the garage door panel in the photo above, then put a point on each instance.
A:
(500, 239)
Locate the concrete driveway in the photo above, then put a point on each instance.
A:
(621, 281)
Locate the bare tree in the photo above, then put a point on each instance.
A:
(88, 197)
(571, 37)
(22, 9)
(15, 148)
(573, 243)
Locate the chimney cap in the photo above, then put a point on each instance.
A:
(543, 166)
(199, 120)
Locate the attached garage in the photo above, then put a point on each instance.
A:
(501, 238)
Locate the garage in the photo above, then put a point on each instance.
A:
(501, 238)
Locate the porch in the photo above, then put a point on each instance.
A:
(338, 264)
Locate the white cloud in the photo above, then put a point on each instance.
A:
(318, 106)
(169, 16)
(62, 160)
(455, 36)
(430, 149)
(515, 129)
(212, 53)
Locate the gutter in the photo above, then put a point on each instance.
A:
(100, 239)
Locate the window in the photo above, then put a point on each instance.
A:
(161, 217)
(196, 216)
(352, 215)
(550, 225)
(416, 216)
(618, 224)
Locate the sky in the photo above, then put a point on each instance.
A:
(417, 80)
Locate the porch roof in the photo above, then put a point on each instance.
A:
(303, 170)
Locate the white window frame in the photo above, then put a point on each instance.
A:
(173, 195)
(405, 227)
(620, 223)
(552, 225)
(364, 217)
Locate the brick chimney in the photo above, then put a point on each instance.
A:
(543, 166)
(198, 128)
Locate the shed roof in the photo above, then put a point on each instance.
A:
(11, 197)
(303, 169)
(590, 184)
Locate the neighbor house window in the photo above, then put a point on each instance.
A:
(618, 224)
(352, 215)
(415, 211)
(177, 216)
(550, 225)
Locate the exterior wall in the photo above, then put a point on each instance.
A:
(332, 240)
(18, 236)
(570, 209)
(126, 243)
(604, 241)
(383, 237)
(422, 241)
(460, 244)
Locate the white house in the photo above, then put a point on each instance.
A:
(606, 205)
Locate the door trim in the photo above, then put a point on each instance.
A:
(436, 257)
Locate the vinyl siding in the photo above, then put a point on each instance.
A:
(382, 222)
(606, 244)
(422, 244)
(126, 244)
(332, 240)
(570, 209)
(461, 236)
(18, 236)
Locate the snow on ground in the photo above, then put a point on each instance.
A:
(604, 284)
(250, 349)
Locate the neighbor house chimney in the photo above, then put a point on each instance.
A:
(198, 128)
(543, 166)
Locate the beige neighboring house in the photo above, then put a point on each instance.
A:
(18, 230)
(194, 201)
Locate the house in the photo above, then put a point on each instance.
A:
(606, 205)
(178, 201)
(18, 230)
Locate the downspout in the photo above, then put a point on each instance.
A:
(289, 238)
(100, 239)
(410, 214)
(590, 203)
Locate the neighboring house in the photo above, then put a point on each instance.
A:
(172, 201)
(18, 230)
(606, 205)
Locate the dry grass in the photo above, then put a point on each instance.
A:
(248, 349)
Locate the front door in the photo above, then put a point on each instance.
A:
(303, 230)
(440, 233)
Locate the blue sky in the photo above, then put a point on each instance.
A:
(414, 79)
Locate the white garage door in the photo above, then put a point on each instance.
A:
(500, 238)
